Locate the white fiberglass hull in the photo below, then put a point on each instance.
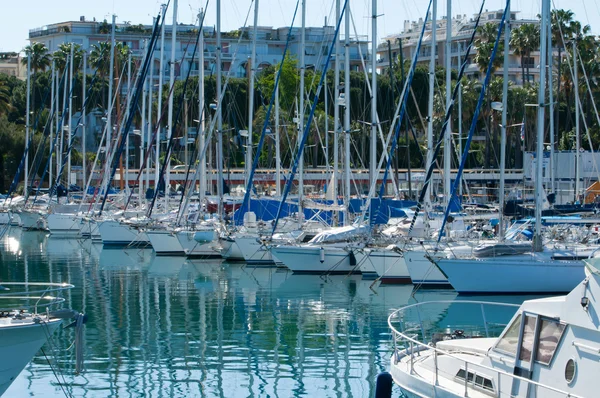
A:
(230, 251)
(192, 248)
(526, 273)
(253, 251)
(389, 265)
(18, 345)
(32, 220)
(310, 259)
(114, 233)
(423, 271)
(165, 243)
(64, 225)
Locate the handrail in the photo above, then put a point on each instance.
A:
(423, 346)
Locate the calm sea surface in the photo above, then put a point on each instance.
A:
(171, 327)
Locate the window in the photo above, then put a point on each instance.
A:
(528, 337)
(570, 370)
(477, 381)
(508, 342)
(550, 334)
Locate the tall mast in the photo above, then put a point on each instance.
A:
(129, 94)
(336, 109)
(170, 110)
(504, 121)
(52, 105)
(111, 76)
(161, 72)
(373, 156)
(301, 115)
(347, 117)
(251, 96)
(219, 116)
(149, 125)
(143, 133)
(577, 139)
(201, 107)
(27, 117)
(448, 134)
(70, 130)
(83, 99)
(277, 149)
(539, 188)
(551, 110)
(431, 90)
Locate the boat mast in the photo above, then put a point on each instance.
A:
(129, 94)
(149, 126)
(347, 170)
(27, 117)
(201, 115)
(70, 129)
(52, 105)
(301, 116)
(277, 149)
(577, 139)
(336, 110)
(219, 116)
(251, 96)
(373, 155)
(83, 96)
(429, 158)
(504, 121)
(448, 134)
(111, 75)
(551, 109)
(161, 69)
(170, 110)
(539, 188)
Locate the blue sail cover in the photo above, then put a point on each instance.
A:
(266, 209)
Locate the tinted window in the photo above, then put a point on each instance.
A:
(550, 334)
(508, 342)
(528, 336)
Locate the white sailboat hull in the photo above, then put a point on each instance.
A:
(32, 220)
(230, 251)
(18, 345)
(253, 251)
(197, 249)
(64, 225)
(114, 233)
(528, 273)
(423, 271)
(308, 259)
(165, 243)
(389, 265)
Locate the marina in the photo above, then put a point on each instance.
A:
(191, 211)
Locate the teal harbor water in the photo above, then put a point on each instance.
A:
(171, 327)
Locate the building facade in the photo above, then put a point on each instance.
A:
(462, 29)
(11, 65)
(236, 45)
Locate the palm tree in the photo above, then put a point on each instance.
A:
(518, 43)
(100, 56)
(486, 38)
(40, 60)
(5, 105)
(525, 39)
(61, 55)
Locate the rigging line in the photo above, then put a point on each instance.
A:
(445, 125)
(246, 200)
(395, 128)
(202, 154)
(174, 129)
(139, 83)
(475, 116)
(307, 127)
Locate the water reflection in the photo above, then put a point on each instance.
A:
(170, 327)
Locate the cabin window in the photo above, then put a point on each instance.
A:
(477, 381)
(528, 337)
(570, 370)
(509, 341)
(550, 334)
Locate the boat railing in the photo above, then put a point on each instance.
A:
(408, 343)
(17, 296)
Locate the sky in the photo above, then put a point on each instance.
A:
(22, 15)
